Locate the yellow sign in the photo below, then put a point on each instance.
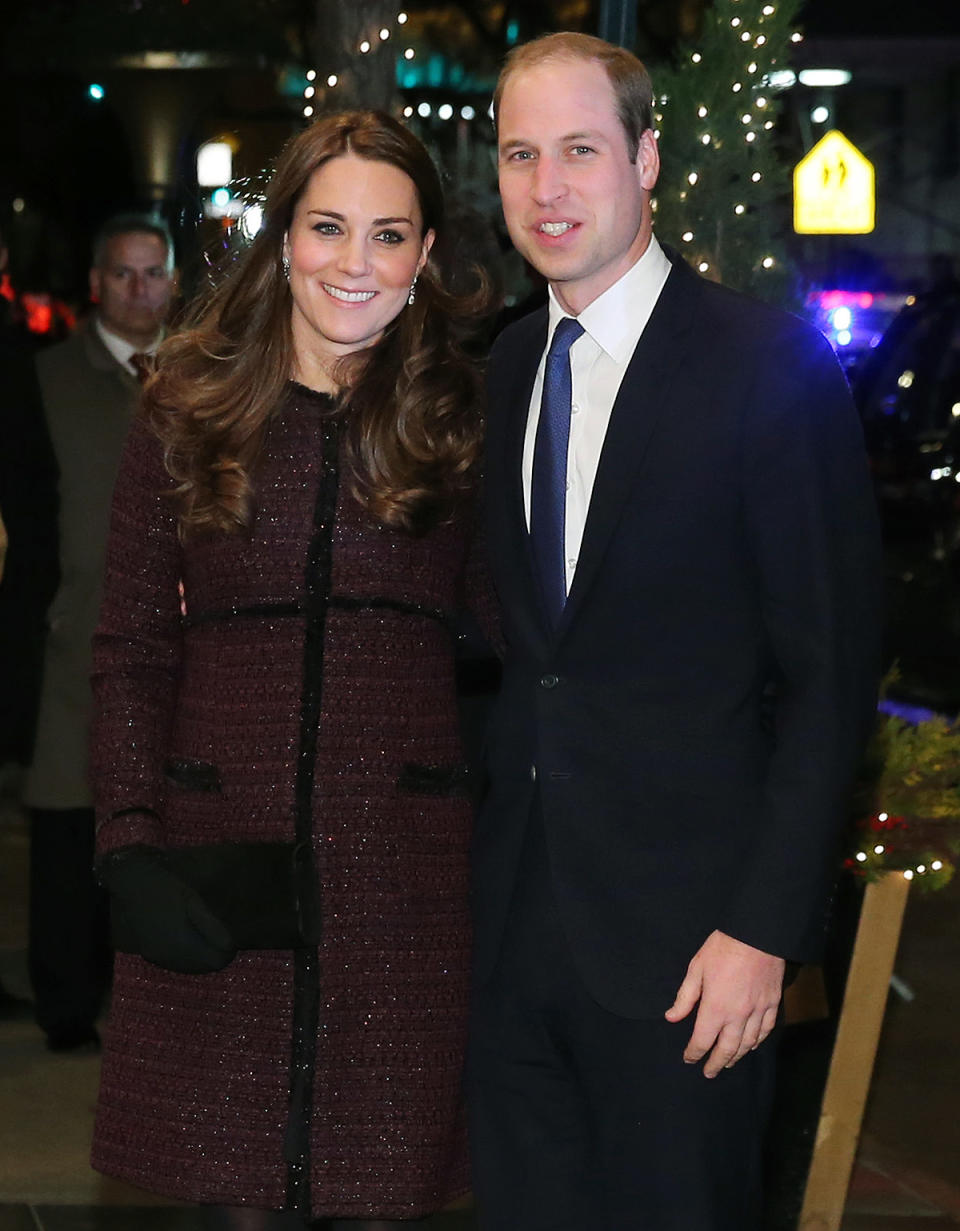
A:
(833, 189)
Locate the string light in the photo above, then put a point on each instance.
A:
(309, 92)
(364, 48)
(308, 112)
(732, 29)
(407, 112)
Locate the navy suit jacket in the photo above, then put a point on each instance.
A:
(693, 724)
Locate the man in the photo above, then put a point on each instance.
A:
(684, 545)
(90, 386)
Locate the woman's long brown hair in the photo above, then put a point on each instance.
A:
(409, 404)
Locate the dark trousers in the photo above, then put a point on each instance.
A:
(582, 1120)
(69, 950)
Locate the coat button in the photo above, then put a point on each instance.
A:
(549, 681)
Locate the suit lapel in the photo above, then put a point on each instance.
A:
(642, 401)
(514, 541)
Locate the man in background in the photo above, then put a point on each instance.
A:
(90, 388)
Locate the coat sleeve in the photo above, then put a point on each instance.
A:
(813, 537)
(136, 650)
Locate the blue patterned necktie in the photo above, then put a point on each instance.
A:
(548, 487)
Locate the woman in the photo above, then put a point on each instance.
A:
(274, 665)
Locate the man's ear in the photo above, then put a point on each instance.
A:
(648, 160)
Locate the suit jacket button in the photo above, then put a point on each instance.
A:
(549, 681)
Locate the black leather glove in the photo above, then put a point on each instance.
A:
(160, 917)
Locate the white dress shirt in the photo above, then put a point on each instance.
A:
(612, 327)
(122, 350)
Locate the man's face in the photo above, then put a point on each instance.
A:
(574, 203)
(133, 286)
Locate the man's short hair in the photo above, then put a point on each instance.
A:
(131, 224)
(630, 80)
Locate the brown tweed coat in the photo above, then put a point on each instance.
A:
(226, 721)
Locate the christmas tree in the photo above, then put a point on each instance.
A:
(722, 198)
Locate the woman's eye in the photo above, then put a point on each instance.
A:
(327, 228)
(390, 237)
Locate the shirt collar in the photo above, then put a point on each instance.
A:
(615, 319)
(119, 348)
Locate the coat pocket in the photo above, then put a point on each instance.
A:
(190, 775)
(441, 780)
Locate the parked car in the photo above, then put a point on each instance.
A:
(908, 393)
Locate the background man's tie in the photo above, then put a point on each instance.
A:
(548, 488)
(143, 361)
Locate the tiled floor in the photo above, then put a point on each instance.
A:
(138, 1218)
(907, 1178)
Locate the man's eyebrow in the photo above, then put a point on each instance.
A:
(377, 222)
(586, 135)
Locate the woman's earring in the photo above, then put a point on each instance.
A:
(413, 290)
(285, 266)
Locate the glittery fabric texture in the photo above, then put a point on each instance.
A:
(200, 1072)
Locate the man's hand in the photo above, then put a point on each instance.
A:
(738, 989)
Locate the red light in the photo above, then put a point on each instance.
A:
(39, 313)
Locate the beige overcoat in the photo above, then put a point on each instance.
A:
(89, 400)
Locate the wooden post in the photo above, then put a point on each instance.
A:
(851, 1065)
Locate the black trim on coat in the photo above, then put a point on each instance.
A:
(440, 780)
(343, 602)
(191, 775)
